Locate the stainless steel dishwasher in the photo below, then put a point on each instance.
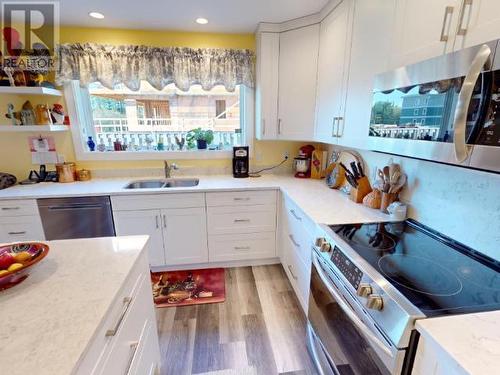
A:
(79, 217)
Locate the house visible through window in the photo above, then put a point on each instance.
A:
(152, 120)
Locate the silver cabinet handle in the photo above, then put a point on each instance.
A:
(263, 123)
(291, 272)
(279, 126)
(292, 211)
(347, 310)
(481, 60)
(17, 233)
(334, 132)
(241, 220)
(157, 224)
(293, 240)
(461, 29)
(241, 199)
(164, 221)
(339, 134)
(448, 11)
(10, 208)
(126, 305)
(242, 248)
(133, 352)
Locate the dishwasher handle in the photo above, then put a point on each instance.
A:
(77, 206)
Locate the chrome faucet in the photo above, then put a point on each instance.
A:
(168, 169)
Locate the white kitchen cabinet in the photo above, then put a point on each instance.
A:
(373, 39)
(143, 222)
(21, 228)
(241, 219)
(298, 63)
(333, 63)
(185, 235)
(233, 247)
(423, 29)
(478, 23)
(266, 85)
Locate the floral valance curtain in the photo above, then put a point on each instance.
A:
(111, 65)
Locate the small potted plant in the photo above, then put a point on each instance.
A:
(202, 137)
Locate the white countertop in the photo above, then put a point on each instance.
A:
(321, 204)
(471, 341)
(48, 320)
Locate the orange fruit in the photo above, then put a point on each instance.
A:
(3, 272)
(14, 267)
(22, 257)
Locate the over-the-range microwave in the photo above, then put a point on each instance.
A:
(444, 109)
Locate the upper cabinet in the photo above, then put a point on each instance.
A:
(479, 22)
(298, 64)
(266, 87)
(334, 45)
(423, 29)
(371, 39)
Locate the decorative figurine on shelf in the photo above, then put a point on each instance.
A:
(15, 117)
(91, 144)
(180, 142)
(57, 114)
(43, 114)
(101, 147)
(9, 72)
(161, 144)
(149, 142)
(28, 114)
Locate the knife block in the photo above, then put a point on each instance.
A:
(363, 189)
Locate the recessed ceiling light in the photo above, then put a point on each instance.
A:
(202, 21)
(97, 15)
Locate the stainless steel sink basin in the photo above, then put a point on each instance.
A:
(163, 183)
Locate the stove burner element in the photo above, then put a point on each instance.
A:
(379, 241)
(421, 275)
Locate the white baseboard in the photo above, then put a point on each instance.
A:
(235, 263)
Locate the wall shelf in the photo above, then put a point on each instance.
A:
(24, 90)
(33, 128)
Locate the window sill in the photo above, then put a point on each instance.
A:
(154, 155)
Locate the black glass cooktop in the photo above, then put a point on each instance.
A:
(434, 272)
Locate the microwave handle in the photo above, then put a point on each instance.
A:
(481, 60)
(347, 310)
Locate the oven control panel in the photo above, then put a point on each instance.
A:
(352, 273)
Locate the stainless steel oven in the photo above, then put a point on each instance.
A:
(443, 109)
(343, 338)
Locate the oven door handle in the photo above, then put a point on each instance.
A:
(481, 60)
(352, 316)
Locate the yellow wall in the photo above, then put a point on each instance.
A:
(15, 157)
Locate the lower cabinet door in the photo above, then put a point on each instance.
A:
(228, 247)
(129, 223)
(21, 228)
(185, 235)
(298, 273)
(146, 360)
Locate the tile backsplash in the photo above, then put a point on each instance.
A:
(462, 203)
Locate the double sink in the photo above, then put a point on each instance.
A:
(164, 183)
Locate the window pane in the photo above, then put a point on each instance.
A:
(149, 120)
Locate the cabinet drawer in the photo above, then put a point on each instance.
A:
(157, 201)
(101, 345)
(299, 274)
(242, 198)
(21, 228)
(147, 358)
(127, 342)
(297, 219)
(244, 219)
(19, 207)
(242, 246)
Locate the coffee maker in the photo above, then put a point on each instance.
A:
(240, 161)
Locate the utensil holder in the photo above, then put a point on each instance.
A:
(387, 199)
(363, 189)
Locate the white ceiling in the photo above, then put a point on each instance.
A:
(228, 16)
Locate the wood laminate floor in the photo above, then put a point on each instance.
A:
(258, 330)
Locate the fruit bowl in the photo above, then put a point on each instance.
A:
(16, 260)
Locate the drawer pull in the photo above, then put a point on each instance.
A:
(293, 241)
(291, 272)
(157, 225)
(295, 215)
(242, 248)
(133, 352)
(241, 199)
(17, 233)
(10, 208)
(126, 305)
(241, 220)
(164, 221)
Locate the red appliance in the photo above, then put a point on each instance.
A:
(302, 163)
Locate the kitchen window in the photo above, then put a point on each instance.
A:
(153, 124)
